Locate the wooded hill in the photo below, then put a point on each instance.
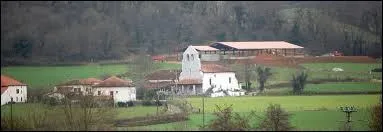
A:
(99, 30)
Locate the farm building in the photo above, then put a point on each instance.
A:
(118, 89)
(81, 86)
(121, 90)
(197, 78)
(163, 80)
(12, 90)
(244, 50)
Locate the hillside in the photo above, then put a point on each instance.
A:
(74, 31)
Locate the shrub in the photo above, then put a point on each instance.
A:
(228, 121)
(276, 119)
(121, 104)
(130, 103)
(375, 122)
(299, 82)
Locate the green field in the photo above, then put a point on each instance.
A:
(309, 112)
(324, 71)
(121, 113)
(45, 76)
(336, 87)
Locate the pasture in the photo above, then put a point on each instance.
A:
(334, 87)
(324, 71)
(308, 112)
(46, 76)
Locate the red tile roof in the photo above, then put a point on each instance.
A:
(204, 48)
(115, 82)
(8, 81)
(163, 75)
(260, 45)
(3, 89)
(154, 85)
(213, 68)
(190, 81)
(87, 81)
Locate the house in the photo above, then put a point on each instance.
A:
(197, 78)
(120, 90)
(11, 89)
(80, 86)
(163, 80)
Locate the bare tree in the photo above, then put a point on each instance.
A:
(276, 119)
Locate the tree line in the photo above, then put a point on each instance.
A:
(66, 31)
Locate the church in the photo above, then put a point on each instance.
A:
(201, 79)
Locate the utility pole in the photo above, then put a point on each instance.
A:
(348, 110)
(11, 114)
(203, 110)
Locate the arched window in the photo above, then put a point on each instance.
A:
(210, 81)
(229, 79)
(192, 57)
(187, 56)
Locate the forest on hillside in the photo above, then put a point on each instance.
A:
(69, 31)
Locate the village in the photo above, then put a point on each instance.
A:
(191, 66)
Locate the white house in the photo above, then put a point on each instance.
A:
(12, 89)
(81, 86)
(197, 78)
(121, 90)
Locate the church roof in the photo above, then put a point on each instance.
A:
(190, 81)
(214, 68)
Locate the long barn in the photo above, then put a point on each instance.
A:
(242, 50)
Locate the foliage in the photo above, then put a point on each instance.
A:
(299, 82)
(277, 119)
(263, 75)
(228, 121)
(87, 31)
(375, 122)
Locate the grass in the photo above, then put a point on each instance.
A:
(47, 76)
(20, 109)
(332, 88)
(303, 110)
(324, 71)
(290, 103)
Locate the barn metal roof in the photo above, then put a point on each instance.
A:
(204, 48)
(257, 45)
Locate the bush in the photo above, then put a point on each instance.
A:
(299, 82)
(121, 104)
(130, 103)
(276, 119)
(375, 122)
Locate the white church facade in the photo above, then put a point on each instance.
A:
(196, 78)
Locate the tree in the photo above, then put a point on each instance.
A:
(299, 82)
(375, 122)
(228, 121)
(263, 74)
(276, 119)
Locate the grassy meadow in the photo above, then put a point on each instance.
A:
(334, 87)
(308, 112)
(46, 76)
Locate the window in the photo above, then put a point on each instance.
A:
(187, 56)
(229, 79)
(210, 81)
(116, 91)
(199, 56)
(21, 98)
(192, 56)
(99, 92)
(17, 99)
(111, 93)
(17, 91)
